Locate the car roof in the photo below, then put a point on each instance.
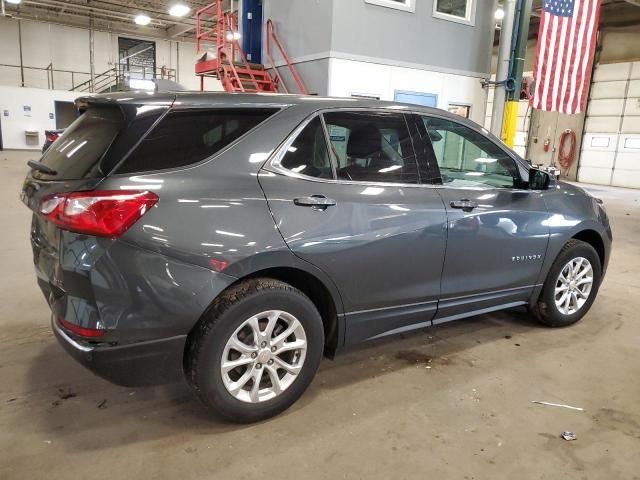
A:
(224, 99)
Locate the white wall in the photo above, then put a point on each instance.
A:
(611, 144)
(41, 101)
(67, 48)
(349, 77)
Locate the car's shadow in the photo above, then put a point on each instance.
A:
(68, 403)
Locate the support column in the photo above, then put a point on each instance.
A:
(517, 66)
(92, 65)
(502, 73)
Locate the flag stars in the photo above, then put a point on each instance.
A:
(560, 8)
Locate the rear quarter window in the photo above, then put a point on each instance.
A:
(77, 153)
(185, 137)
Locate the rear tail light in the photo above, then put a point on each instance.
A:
(81, 331)
(101, 213)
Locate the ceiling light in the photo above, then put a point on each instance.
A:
(142, 19)
(179, 10)
(14, 2)
(499, 15)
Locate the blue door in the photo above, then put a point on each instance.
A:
(417, 98)
(252, 30)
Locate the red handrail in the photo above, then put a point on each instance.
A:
(230, 23)
(271, 34)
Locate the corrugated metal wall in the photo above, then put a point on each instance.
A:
(611, 143)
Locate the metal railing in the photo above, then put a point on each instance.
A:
(50, 74)
(230, 46)
(118, 78)
(272, 36)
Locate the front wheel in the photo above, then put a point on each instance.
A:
(256, 352)
(571, 285)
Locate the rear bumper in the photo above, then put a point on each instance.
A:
(144, 363)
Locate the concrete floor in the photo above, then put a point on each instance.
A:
(453, 401)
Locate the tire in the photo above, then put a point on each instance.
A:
(235, 314)
(547, 310)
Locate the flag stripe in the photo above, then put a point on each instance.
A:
(559, 65)
(564, 54)
(588, 51)
(577, 66)
(542, 46)
(568, 64)
(551, 57)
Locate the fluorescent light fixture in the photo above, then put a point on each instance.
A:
(142, 19)
(499, 15)
(13, 2)
(138, 84)
(179, 10)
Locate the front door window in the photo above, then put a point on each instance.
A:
(469, 159)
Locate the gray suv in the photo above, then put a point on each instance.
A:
(234, 239)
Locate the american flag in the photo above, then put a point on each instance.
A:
(566, 42)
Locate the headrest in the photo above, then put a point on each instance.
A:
(364, 141)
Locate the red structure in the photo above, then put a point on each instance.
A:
(227, 62)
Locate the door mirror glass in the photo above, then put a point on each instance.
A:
(538, 180)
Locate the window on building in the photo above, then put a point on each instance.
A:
(406, 5)
(308, 154)
(462, 11)
(467, 158)
(371, 147)
(189, 136)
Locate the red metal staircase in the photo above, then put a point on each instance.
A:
(228, 62)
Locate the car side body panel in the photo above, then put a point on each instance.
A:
(494, 253)
(390, 238)
(571, 212)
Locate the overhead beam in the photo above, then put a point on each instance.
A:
(179, 30)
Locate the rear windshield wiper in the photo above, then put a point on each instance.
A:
(41, 167)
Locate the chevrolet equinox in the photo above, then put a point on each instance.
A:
(235, 238)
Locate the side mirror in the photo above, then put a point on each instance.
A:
(538, 180)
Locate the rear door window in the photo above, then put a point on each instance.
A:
(308, 154)
(372, 147)
(185, 137)
(77, 153)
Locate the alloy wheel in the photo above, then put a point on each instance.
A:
(573, 286)
(264, 356)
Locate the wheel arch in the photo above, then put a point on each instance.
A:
(325, 298)
(594, 239)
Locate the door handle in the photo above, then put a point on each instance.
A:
(464, 204)
(317, 202)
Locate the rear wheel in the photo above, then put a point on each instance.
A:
(571, 285)
(256, 352)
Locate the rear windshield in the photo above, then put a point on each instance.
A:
(77, 153)
(189, 136)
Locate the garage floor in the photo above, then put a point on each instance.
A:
(452, 401)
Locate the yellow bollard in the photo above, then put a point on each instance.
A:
(509, 123)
